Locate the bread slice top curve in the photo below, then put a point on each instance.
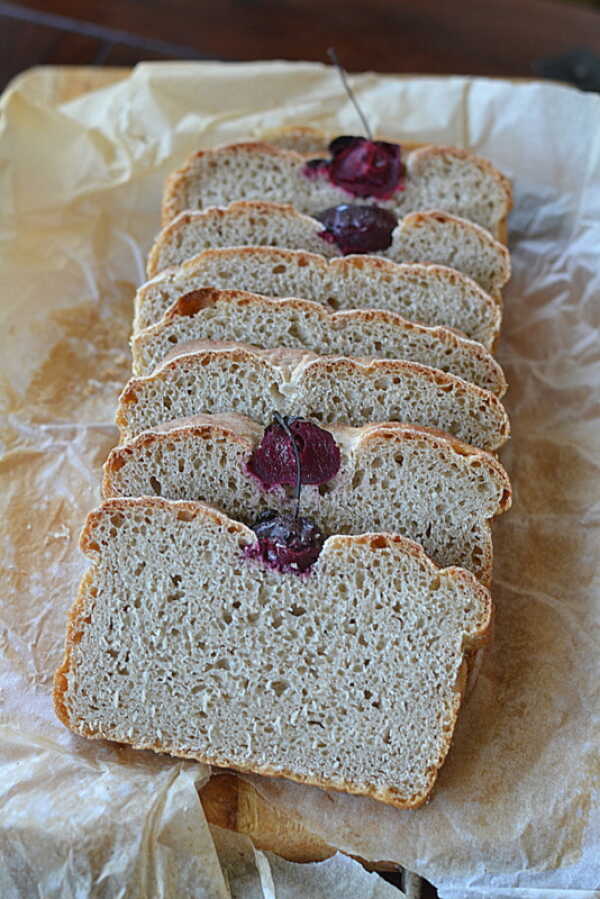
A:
(427, 294)
(394, 478)
(431, 237)
(437, 177)
(236, 315)
(211, 378)
(327, 679)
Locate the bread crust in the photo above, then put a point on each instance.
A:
(327, 267)
(374, 542)
(415, 160)
(204, 297)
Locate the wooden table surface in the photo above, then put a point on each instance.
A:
(476, 37)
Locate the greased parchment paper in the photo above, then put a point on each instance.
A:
(515, 812)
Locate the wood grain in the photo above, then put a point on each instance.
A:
(431, 36)
(21, 41)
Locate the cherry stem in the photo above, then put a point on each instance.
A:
(333, 57)
(282, 421)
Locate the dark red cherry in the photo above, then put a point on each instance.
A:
(364, 168)
(285, 542)
(273, 462)
(358, 229)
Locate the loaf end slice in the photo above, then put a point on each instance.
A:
(179, 644)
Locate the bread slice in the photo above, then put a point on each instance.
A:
(427, 294)
(396, 478)
(236, 315)
(430, 237)
(348, 678)
(446, 178)
(211, 378)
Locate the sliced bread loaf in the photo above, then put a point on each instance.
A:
(427, 294)
(395, 478)
(444, 178)
(329, 389)
(348, 678)
(427, 237)
(235, 315)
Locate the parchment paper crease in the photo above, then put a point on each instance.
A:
(515, 813)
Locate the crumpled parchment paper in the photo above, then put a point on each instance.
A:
(515, 812)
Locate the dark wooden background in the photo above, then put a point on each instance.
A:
(497, 37)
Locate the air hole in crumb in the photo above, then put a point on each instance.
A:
(156, 485)
(297, 611)
(279, 686)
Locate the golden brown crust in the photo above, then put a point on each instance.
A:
(374, 542)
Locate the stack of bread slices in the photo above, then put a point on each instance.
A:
(348, 672)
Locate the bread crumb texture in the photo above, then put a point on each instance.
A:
(347, 678)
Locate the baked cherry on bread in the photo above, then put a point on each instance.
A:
(284, 441)
(292, 451)
(361, 166)
(358, 229)
(286, 542)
